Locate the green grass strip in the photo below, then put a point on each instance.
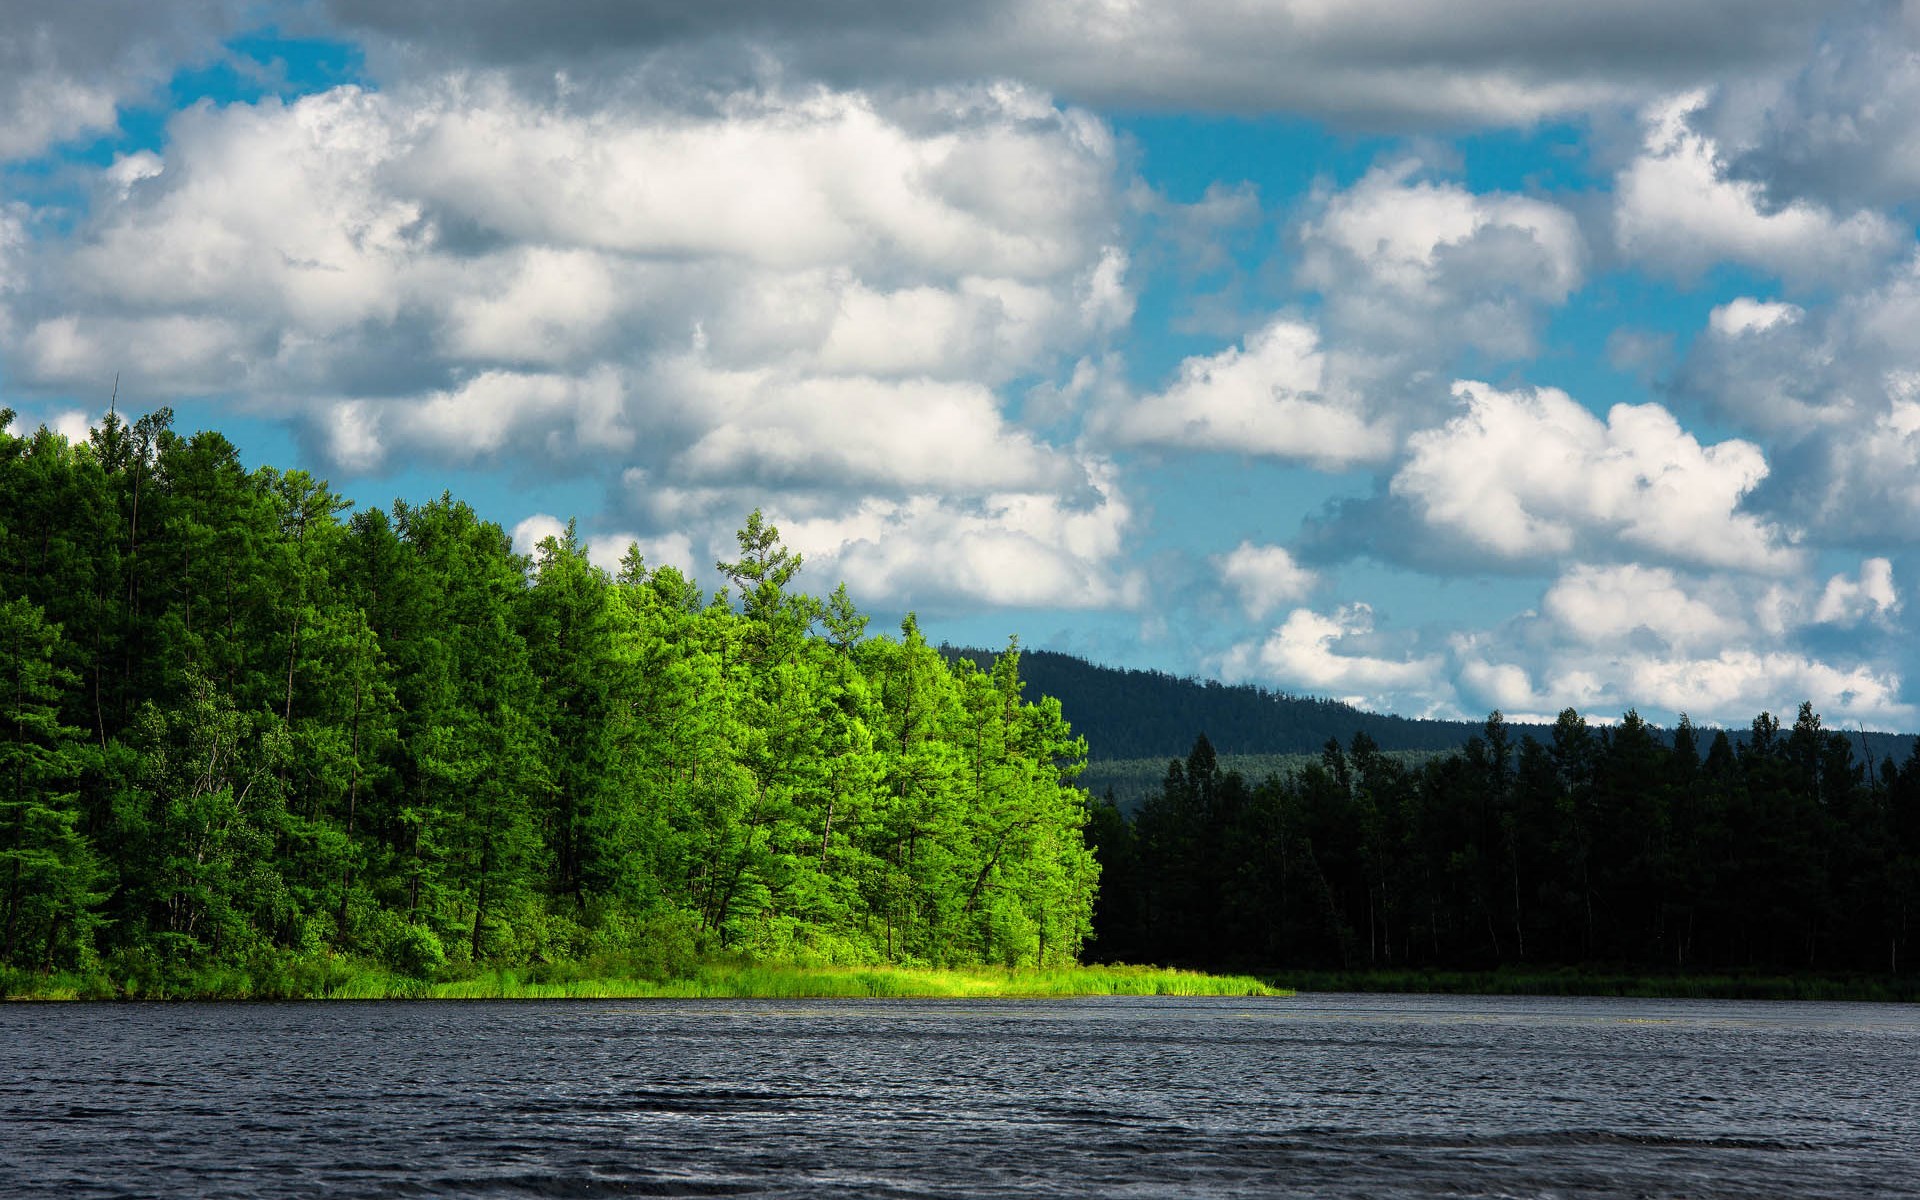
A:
(776, 982)
(713, 980)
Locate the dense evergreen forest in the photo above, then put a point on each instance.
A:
(1779, 850)
(242, 723)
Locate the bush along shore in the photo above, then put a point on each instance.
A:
(342, 979)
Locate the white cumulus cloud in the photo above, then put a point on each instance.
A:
(1678, 210)
(1412, 266)
(1013, 550)
(1744, 315)
(878, 433)
(1870, 594)
(1836, 389)
(1408, 233)
(1331, 654)
(1719, 646)
(801, 297)
(458, 266)
(1264, 577)
(1272, 396)
(1603, 604)
(1533, 474)
(537, 528)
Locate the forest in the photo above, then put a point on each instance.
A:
(242, 722)
(245, 723)
(1622, 846)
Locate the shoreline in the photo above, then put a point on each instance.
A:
(1583, 981)
(717, 981)
(343, 979)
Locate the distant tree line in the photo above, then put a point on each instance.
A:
(1781, 850)
(1127, 782)
(239, 720)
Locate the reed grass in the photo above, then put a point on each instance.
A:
(784, 982)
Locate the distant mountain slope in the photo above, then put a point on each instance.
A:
(1127, 714)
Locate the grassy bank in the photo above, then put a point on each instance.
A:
(785, 982)
(341, 980)
(1591, 982)
(335, 978)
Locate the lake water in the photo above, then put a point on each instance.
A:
(1312, 1096)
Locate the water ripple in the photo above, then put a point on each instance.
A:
(1401, 1096)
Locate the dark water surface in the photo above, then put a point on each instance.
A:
(1319, 1096)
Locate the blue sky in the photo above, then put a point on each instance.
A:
(1436, 356)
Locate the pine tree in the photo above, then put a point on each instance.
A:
(47, 868)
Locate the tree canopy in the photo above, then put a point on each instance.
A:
(1595, 846)
(239, 719)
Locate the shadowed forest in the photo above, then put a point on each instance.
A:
(239, 726)
(1620, 846)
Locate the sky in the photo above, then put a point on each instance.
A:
(1436, 355)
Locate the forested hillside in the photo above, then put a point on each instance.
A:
(1609, 846)
(1129, 714)
(240, 726)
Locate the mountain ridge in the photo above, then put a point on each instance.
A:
(1128, 713)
